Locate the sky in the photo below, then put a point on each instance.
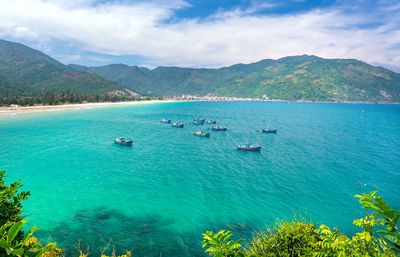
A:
(204, 33)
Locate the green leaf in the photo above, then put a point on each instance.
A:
(13, 232)
(19, 251)
(396, 217)
(386, 232)
(4, 244)
(47, 247)
(393, 239)
(29, 235)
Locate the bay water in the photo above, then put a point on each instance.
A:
(160, 195)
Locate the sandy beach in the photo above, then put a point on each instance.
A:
(43, 108)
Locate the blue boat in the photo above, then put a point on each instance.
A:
(123, 141)
(198, 121)
(269, 130)
(248, 147)
(177, 125)
(165, 121)
(202, 133)
(217, 128)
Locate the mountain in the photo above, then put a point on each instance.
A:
(294, 78)
(25, 71)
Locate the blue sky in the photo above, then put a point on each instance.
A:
(204, 33)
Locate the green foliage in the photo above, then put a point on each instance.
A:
(25, 71)
(128, 254)
(303, 239)
(13, 242)
(29, 73)
(10, 200)
(286, 239)
(14, 247)
(219, 246)
(64, 98)
(390, 217)
(293, 78)
(364, 243)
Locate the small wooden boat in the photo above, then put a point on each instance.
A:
(211, 121)
(248, 147)
(165, 121)
(269, 130)
(199, 122)
(123, 141)
(217, 128)
(202, 133)
(177, 125)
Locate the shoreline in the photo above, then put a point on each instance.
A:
(44, 108)
(52, 108)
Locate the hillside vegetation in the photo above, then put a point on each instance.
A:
(25, 71)
(293, 78)
(28, 72)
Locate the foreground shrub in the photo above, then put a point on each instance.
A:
(13, 241)
(388, 216)
(299, 238)
(286, 239)
(219, 246)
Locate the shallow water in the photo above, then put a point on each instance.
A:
(160, 195)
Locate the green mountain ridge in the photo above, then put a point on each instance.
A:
(292, 78)
(25, 71)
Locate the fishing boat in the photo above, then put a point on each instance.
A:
(269, 130)
(202, 133)
(248, 147)
(211, 121)
(177, 125)
(123, 141)
(165, 121)
(198, 121)
(217, 128)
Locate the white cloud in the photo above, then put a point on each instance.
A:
(24, 32)
(65, 58)
(225, 38)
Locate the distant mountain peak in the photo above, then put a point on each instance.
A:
(29, 71)
(304, 77)
(301, 77)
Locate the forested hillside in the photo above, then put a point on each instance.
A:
(25, 71)
(293, 78)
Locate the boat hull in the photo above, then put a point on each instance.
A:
(203, 134)
(219, 129)
(125, 143)
(271, 131)
(199, 122)
(249, 148)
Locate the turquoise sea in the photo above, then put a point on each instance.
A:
(159, 196)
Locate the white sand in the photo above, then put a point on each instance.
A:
(43, 108)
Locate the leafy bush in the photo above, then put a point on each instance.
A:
(13, 242)
(390, 217)
(28, 246)
(299, 238)
(286, 239)
(219, 246)
(10, 201)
